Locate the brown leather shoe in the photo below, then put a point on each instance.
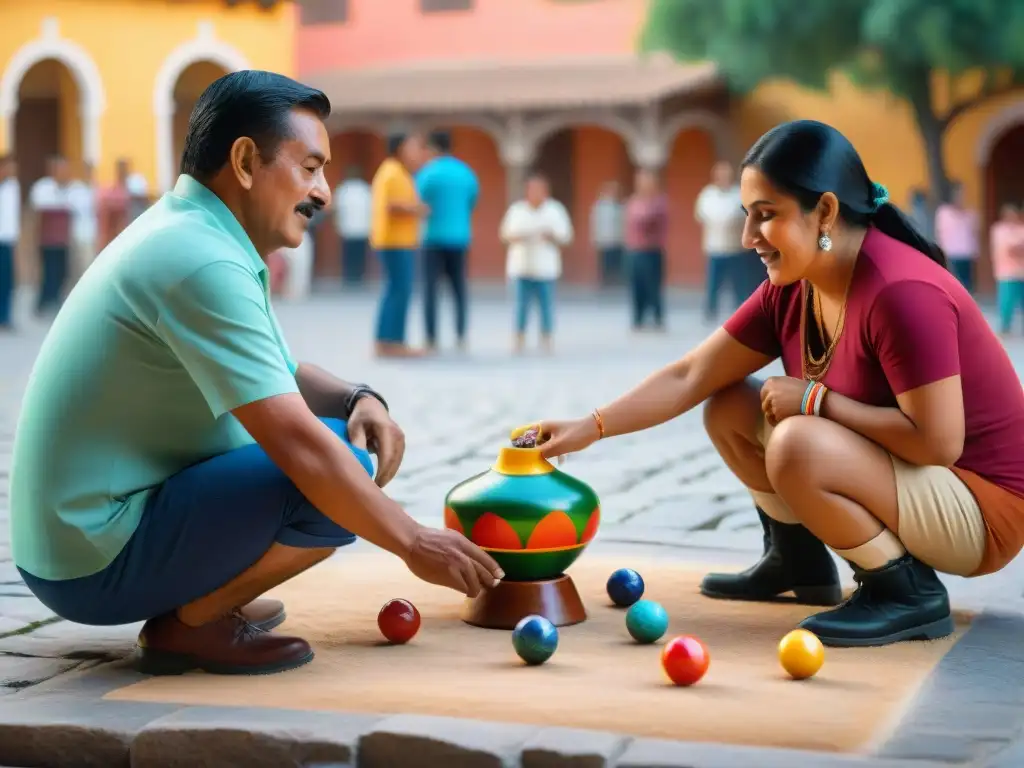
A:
(265, 614)
(228, 646)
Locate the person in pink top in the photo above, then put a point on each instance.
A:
(895, 439)
(1006, 244)
(957, 233)
(646, 231)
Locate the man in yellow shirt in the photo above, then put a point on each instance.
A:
(395, 236)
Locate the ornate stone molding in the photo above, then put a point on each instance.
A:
(205, 46)
(92, 100)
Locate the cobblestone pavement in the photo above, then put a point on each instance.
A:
(660, 489)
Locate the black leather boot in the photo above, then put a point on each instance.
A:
(902, 601)
(794, 561)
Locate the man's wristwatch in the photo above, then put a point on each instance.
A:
(359, 391)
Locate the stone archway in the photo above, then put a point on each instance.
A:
(1003, 181)
(192, 81)
(205, 47)
(91, 95)
(578, 160)
(1001, 184)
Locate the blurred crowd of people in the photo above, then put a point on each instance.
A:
(415, 216)
(61, 221)
(957, 228)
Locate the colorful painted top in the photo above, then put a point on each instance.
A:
(909, 323)
(533, 519)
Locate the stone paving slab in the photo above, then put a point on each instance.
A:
(969, 711)
(665, 493)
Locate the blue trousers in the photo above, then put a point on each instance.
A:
(6, 282)
(399, 268)
(1010, 299)
(611, 264)
(743, 273)
(450, 263)
(646, 278)
(54, 276)
(353, 260)
(201, 528)
(963, 270)
(528, 291)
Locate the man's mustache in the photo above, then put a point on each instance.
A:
(309, 208)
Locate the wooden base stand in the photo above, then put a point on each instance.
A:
(503, 606)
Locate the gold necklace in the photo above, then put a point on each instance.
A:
(815, 368)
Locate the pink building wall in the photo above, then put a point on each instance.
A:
(389, 32)
(381, 33)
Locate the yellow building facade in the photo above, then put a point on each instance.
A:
(983, 149)
(883, 130)
(101, 80)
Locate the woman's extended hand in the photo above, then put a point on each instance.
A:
(781, 397)
(558, 438)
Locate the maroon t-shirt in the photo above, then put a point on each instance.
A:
(909, 322)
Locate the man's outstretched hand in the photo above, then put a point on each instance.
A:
(371, 428)
(448, 559)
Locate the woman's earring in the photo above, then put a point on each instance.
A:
(825, 242)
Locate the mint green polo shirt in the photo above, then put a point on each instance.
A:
(168, 331)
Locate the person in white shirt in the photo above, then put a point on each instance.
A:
(84, 222)
(10, 231)
(607, 233)
(719, 210)
(51, 206)
(352, 217)
(535, 229)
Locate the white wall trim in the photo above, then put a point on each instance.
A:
(490, 126)
(1007, 118)
(205, 46)
(92, 100)
(536, 131)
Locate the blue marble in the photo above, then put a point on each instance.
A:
(535, 639)
(625, 587)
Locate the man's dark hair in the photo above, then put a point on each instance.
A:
(441, 141)
(395, 141)
(249, 103)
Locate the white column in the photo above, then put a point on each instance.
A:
(648, 149)
(165, 171)
(650, 155)
(517, 153)
(91, 132)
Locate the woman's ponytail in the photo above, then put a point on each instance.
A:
(892, 221)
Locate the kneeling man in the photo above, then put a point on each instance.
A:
(172, 462)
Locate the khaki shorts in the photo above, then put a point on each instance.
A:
(940, 522)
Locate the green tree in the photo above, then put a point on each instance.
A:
(928, 52)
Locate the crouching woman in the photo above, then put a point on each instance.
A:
(896, 436)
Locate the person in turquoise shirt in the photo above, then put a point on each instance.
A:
(172, 462)
(450, 189)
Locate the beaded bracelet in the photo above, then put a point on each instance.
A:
(813, 397)
(600, 423)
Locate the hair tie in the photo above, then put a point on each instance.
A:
(879, 196)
